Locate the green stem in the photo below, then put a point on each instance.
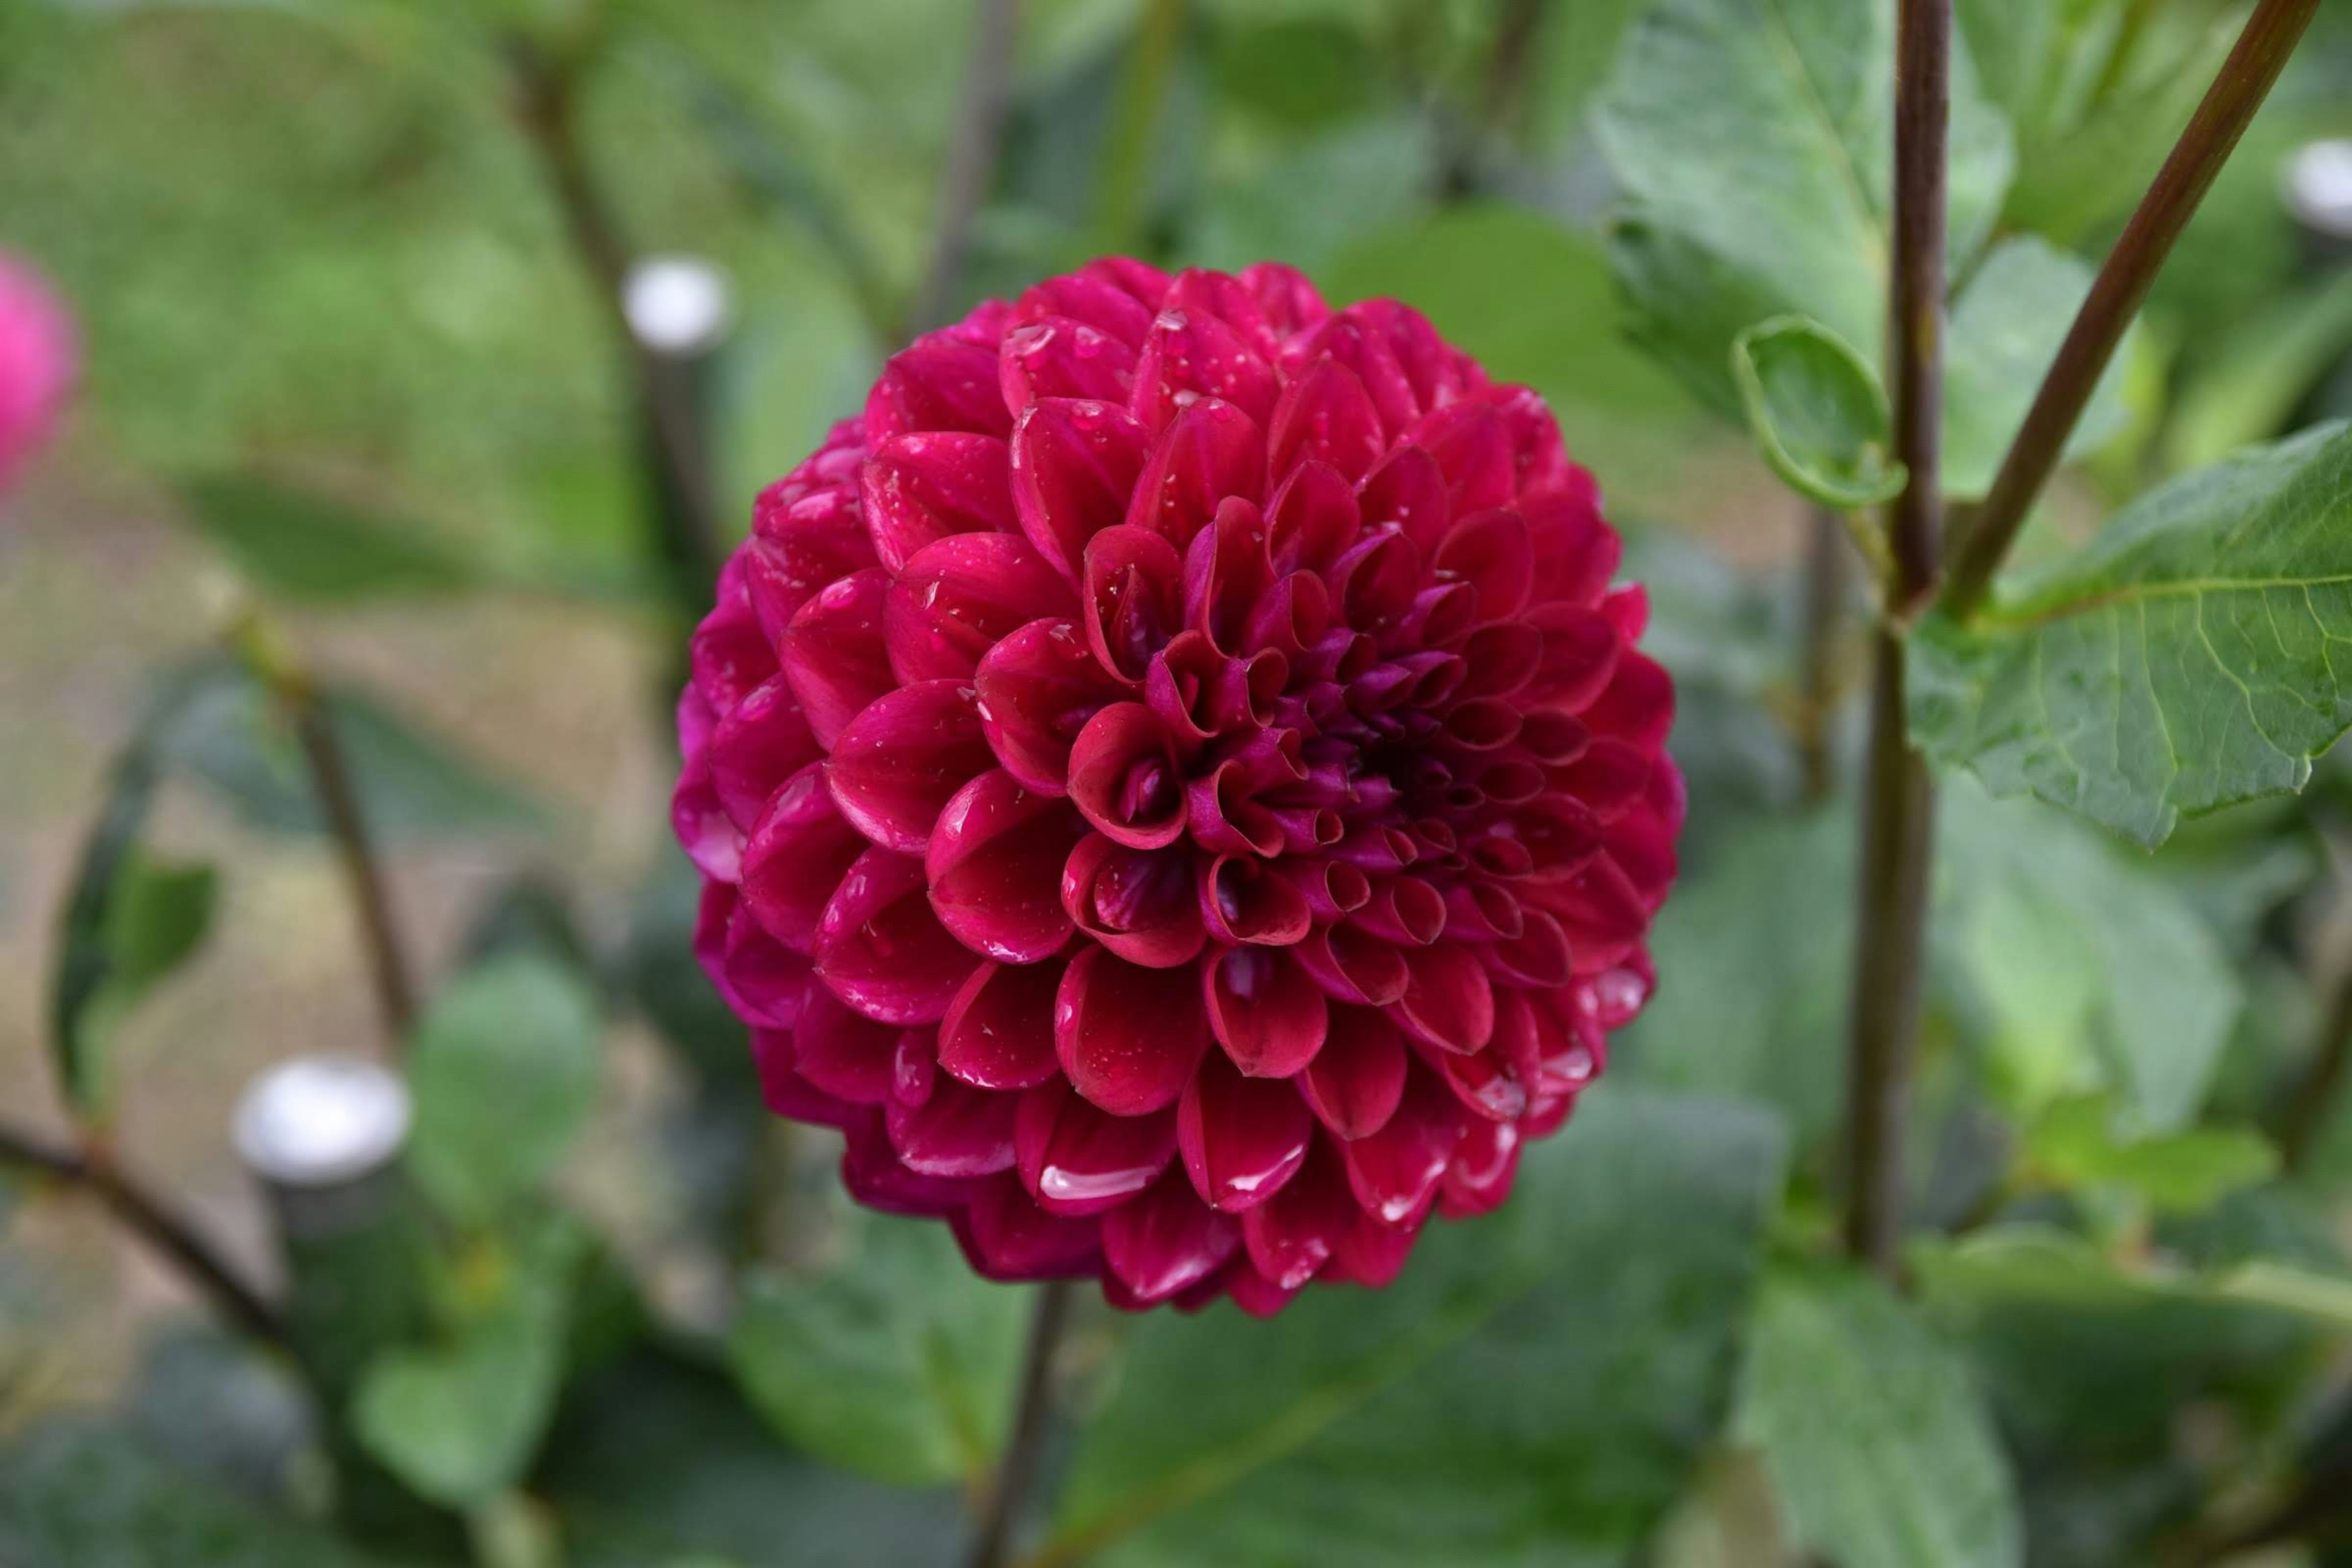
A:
(1017, 1473)
(1144, 94)
(971, 154)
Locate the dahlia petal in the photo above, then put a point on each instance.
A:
(766, 983)
(1437, 372)
(896, 763)
(1291, 303)
(1355, 1082)
(1131, 605)
(956, 1131)
(1057, 357)
(1138, 903)
(933, 485)
(1494, 553)
(876, 1177)
(730, 655)
(833, 654)
(1128, 1037)
(1628, 609)
(844, 1054)
(1181, 685)
(1075, 464)
(1091, 299)
(881, 949)
(1482, 724)
(1189, 357)
(1265, 1010)
(1075, 1159)
(1449, 1002)
(798, 546)
(1375, 580)
(1331, 888)
(1409, 493)
(939, 384)
(1312, 518)
(994, 865)
(1603, 913)
(1212, 450)
(1007, 1237)
(800, 850)
(1352, 966)
(1500, 658)
(1242, 1138)
(755, 748)
(1036, 688)
(998, 1032)
(1345, 339)
(1580, 653)
(1394, 1171)
(957, 597)
(1230, 300)
(1538, 458)
(1289, 618)
(1473, 447)
(1167, 1239)
(1484, 1166)
(1552, 737)
(1483, 912)
(1576, 552)
(1403, 909)
(701, 823)
(1638, 705)
(1325, 415)
(1226, 570)
(1487, 1085)
(788, 1094)
(1294, 1235)
(1124, 779)
(1242, 900)
(1372, 1254)
(1254, 1293)
(1440, 617)
(1537, 956)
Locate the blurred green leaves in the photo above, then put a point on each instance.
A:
(1817, 411)
(895, 1359)
(310, 549)
(1534, 1386)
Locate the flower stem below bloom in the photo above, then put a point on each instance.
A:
(1016, 1474)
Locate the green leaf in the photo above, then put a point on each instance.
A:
(1535, 1386)
(1753, 141)
(2182, 661)
(1877, 1444)
(460, 1422)
(308, 548)
(2036, 1261)
(2247, 393)
(79, 1495)
(2005, 330)
(896, 1360)
(409, 783)
(1818, 412)
(2076, 1144)
(505, 1070)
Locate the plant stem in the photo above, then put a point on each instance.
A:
(2121, 287)
(1898, 802)
(547, 104)
(1143, 92)
(1823, 610)
(154, 1223)
(971, 154)
(1502, 95)
(2302, 1115)
(1017, 1472)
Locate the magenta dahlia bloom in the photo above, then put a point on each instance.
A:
(37, 357)
(1176, 787)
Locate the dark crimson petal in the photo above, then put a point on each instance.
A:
(1312, 518)
(1291, 1237)
(1628, 609)
(958, 597)
(1138, 903)
(1483, 912)
(957, 1131)
(1472, 445)
(1212, 450)
(1538, 457)
(1480, 1177)
(1438, 371)
(1182, 688)
(1036, 690)
(1242, 900)
(1226, 570)
(1351, 965)
(881, 950)
(872, 1171)
(1580, 655)
(1576, 552)
(730, 656)
(1537, 957)
(1265, 1009)
(1056, 356)
(896, 765)
(940, 384)
(1332, 888)
(1074, 1159)
(1345, 339)
(1405, 910)
(1409, 492)
(1290, 302)
(1493, 552)
(1074, 463)
(1357, 1079)
(798, 853)
(833, 654)
(994, 865)
(1291, 618)
(1129, 1038)
(1487, 1086)
(1124, 779)
(923, 488)
(704, 830)
(756, 748)
(1230, 300)
(816, 547)
(1449, 1001)
(843, 1053)
(1603, 913)
(1166, 1240)
(1499, 659)
(1371, 1254)
(1242, 1138)
(1007, 1237)
(1325, 415)
(1255, 1294)
(766, 983)
(787, 1093)
(998, 1028)
(1395, 1171)
(1189, 357)
(1638, 705)
(1131, 599)
(1092, 298)
(1374, 582)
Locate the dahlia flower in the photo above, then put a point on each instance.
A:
(37, 365)
(1175, 785)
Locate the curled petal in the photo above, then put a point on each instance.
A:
(1075, 1159)
(1312, 518)
(1483, 912)
(1074, 463)
(1130, 589)
(896, 765)
(1409, 492)
(1404, 909)
(1395, 1171)
(833, 654)
(940, 384)
(1166, 1241)
(1293, 1236)
(1345, 340)
(1473, 447)
(1036, 690)
(1482, 724)
(1124, 779)
(1493, 552)
(1537, 957)
(1325, 415)
(1485, 1163)
(957, 597)
(1226, 570)
(1212, 450)
(1057, 357)
(1352, 966)
(1538, 459)
(1375, 580)
(923, 488)
(882, 951)
(730, 655)
(820, 541)
(1500, 658)
(766, 983)
(1579, 655)
(1357, 1079)
(1138, 903)
(956, 1131)
(1603, 913)
(1628, 609)
(1128, 1037)
(1449, 1002)
(704, 830)
(1332, 888)
(1007, 1236)
(1242, 1138)
(1265, 1010)
(1438, 371)
(844, 1054)
(994, 865)
(876, 1176)
(798, 853)
(1488, 1087)
(1189, 357)
(998, 1032)
(1289, 618)
(786, 1092)
(756, 748)
(1552, 737)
